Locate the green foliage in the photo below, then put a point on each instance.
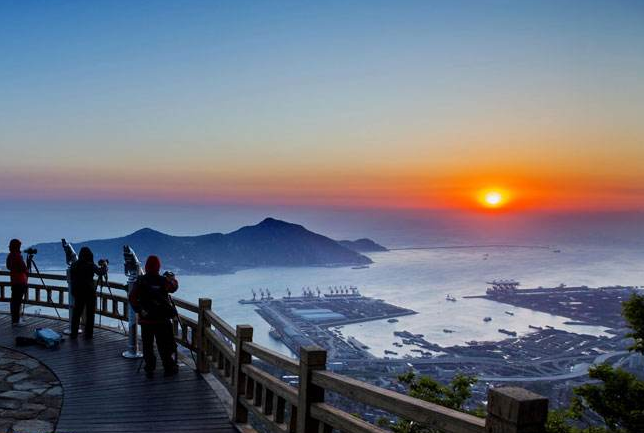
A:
(633, 312)
(454, 395)
(619, 399)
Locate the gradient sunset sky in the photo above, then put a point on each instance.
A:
(363, 104)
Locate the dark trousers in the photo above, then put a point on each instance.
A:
(17, 294)
(162, 333)
(85, 303)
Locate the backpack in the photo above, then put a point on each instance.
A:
(48, 337)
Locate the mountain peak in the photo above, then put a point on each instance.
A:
(146, 231)
(269, 221)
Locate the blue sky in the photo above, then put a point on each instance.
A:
(410, 104)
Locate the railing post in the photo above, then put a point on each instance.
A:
(311, 358)
(515, 410)
(203, 366)
(243, 334)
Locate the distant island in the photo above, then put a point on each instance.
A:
(270, 243)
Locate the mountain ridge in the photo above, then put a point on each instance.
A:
(271, 242)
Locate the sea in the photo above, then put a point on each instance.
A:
(431, 257)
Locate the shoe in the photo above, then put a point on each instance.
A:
(171, 372)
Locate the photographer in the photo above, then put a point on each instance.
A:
(83, 287)
(150, 299)
(19, 275)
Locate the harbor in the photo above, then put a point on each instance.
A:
(317, 317)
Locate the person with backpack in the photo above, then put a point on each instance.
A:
(19, 275)
(83, 287)
(150, 298)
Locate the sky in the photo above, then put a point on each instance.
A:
(389, 105)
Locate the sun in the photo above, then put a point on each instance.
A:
(493, 198)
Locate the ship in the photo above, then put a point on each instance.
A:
(360, 267)
(448, 331)
(390, 352)
(450, 298)
(505, 331)
(392, 320)
(539, 328)
(487, 319)
(509, 313)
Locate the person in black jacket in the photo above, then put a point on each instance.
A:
(151, 300)
(83, 287)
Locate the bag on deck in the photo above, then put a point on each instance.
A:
(48, 337)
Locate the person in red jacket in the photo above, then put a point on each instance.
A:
(151, 300)
(19, 275)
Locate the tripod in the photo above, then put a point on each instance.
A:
(32, 263)
(104, 282)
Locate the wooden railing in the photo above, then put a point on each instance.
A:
(259, 396)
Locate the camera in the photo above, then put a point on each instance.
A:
(168, 274)
(31, 251)
(102, 263)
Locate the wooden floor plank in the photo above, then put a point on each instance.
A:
(103, 393)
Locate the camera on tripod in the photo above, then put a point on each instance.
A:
(31, 251)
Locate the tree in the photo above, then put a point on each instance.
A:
(633, 312)
(619, 399)
(454, 395)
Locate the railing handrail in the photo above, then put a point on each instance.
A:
(414, 409)
(511, 410)
(55, 277)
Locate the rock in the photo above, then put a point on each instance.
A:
(29, 386)
(55, 391)
(50, 414)
(33, 426)
(9, 403)
(17, 377)
(20, 413)
(33, 406)
(18, 395)
(28, 363)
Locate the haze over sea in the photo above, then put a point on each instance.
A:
(596, 250)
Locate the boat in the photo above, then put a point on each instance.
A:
(448, 331)
(539, 328)
(506, 332)
(390, 352)
(509, 313)
(392, 320)
(487, 319)
(397, 344)
(360, 267)
(450, 298)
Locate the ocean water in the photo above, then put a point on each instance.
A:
(420, 280)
